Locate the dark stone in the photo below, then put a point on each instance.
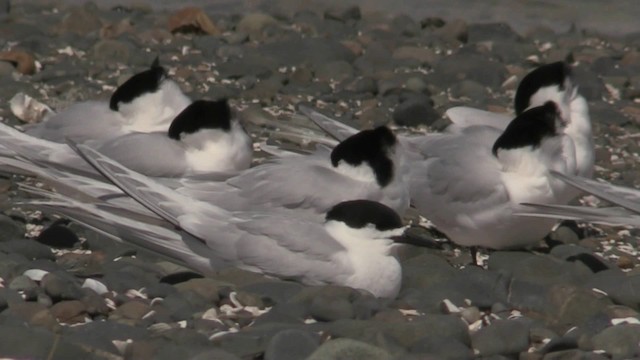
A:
(492, 32)
(61, 286)
(179, 277)
(415, 111)
(28, 248)
(11, 229)
(502, 337)
(291, 344)
(58, 236)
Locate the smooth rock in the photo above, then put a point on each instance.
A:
(414, 112)
(348, 349)
(19, 342)
(291, 345)
(502, 337)
(620, 341)
(61, 286)
(255, 24)
(28, 248)
(325, 308)
(205, 287)
(70, 312)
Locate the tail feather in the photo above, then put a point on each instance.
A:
(606, 216)
(334, 128)
(624, 197)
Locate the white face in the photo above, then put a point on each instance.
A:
(562, 98)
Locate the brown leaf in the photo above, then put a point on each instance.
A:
(24, 62)
(192, 20)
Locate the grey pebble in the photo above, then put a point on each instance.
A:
(621, 288)
(415, 111)
(61, 286)
(28, 248)
(327, 308)
(502, 337)
(276, 292)
(335, 70)
(19, 342)
(620, 342)
(291, 345)
(574, 355)
(348, 349)
(11, 229)
(443, 348)
(101, 334)
(458, 66)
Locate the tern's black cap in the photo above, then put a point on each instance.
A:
(360, 213)
(139, 84)
(370, 146)
(201, 114)
(529, 128)
(546, 75)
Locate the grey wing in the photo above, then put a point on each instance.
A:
(606, 216)
(38, 150)
(627, 198)
(300, 182)
(458, 175)
(334, 128)
(80, 122)
(462, 117)
(151, 154)
(288, 247)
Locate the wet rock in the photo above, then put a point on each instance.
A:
(425, 56)
(454, 31)
(101, 335)
(459, 66)
(134, 310)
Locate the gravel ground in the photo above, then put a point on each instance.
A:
(66, 292)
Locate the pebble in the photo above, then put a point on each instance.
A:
(58, 236)
(291, 345)
(348, 349)
(502, 337)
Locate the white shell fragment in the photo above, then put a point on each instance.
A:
(28, 109)
(95, 285)
(35, 274)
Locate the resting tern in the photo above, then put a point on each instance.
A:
(204, 138)
(367, 165)
(352, 247)
(551, 82)
(146, 102)
(469, 183)
(625, 212)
